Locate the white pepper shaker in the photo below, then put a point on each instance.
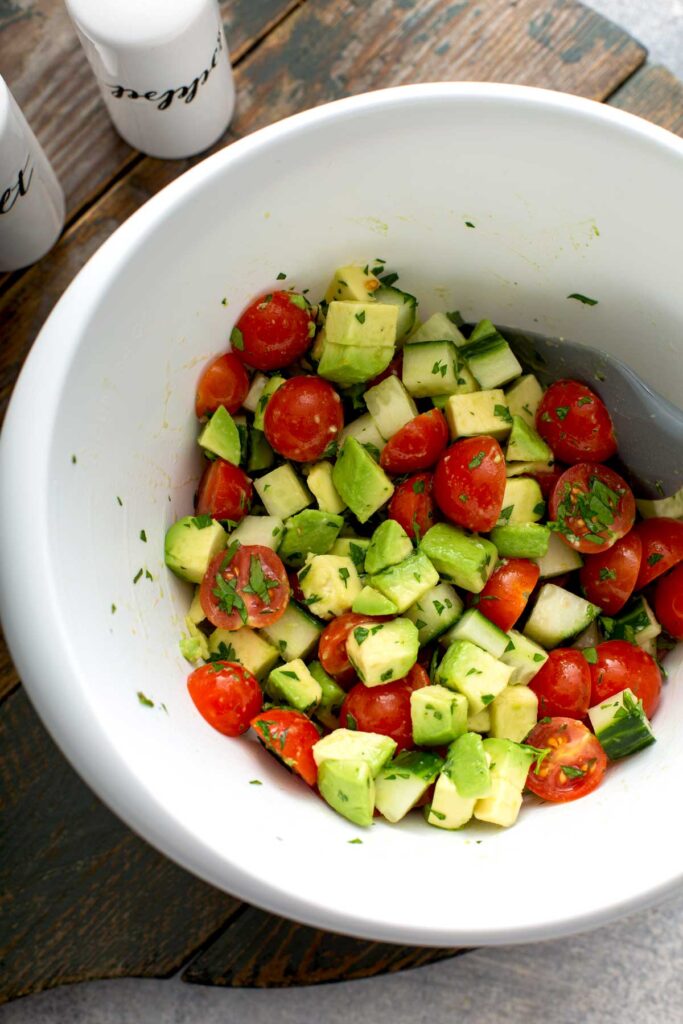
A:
(163, 69)
(31, 198)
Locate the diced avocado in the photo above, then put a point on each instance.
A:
(361, 483)
(468, 766)
(193, 646)
(469, 670)
(293, 684)
(349, 745)
(371, 602)
(514, 713)
(481, 722)
(479, 630)
(525, 444)
(389, 545)
(190, 544)
(361, 324)
(435, 612)
(432, 368)
(524, 657)
(295, 634)
(271, 386)
(438, 715)
(348, 787)
(524, 397)
(448, 809)
(459, 557)
(522, 502)
(558, 559)
(384, 651)
(636, 623)
(331, 699)
(366, 433)
(483, 412)
(404, 781)
(390, 406)
(669, 508)
(621, 725)
(258, 383)
(282, 492)
(558, 615)
(261, 455)
(320, 485)
(509, 766)
(353, 548)
(310, 531)
(351, 284)
(220, 436)
(407, 582)
(195, 612)
(489, 356)
(523, 540)
(406, 308)
(439, 327)
(330, 584)
(352, 364)
(245, 646)
(527, 468)
(265, 531)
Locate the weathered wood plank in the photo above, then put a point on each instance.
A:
(80, 895)
(259, 950)
(655, 94)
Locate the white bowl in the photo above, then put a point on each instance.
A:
(566, 196)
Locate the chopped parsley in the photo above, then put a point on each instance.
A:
(256, 782)
(360, 634)
(463, 497)
(477, 460)
(502, 412)
(280, 276)
(143, 536)
(113, 609)
(572, 772)
(303, 573)
(591, 655)
(360, 317)
(224, 652)
(119, 500)
(439, 367)
(237, 339)
(506, 512)
(487, 698)
(202, 521)
(469, 224)
(298, 300)
(586, 400)
(387, 675)
(258, 584)
(418, 486)
(138, 575)
(583, 298)
(607, 574)
(539, 508)
(145, 701)
(654, 558)
(344, 575)
(561, 411)
(228, 597)
(351, 722)
(74, 459)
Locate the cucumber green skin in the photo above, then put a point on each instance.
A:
(624, 736)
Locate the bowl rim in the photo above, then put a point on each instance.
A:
(93, 755)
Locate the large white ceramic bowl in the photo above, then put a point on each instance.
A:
(567, 196)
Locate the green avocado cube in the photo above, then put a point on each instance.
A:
(310, 531)
(352, 284)
(525, 444)
(244, 645)
(405, 583)
(332, 696)
(384, 651)
(522, 540)
(448, 809)
(435, 612)
(361, 324)
(349, 745)
(524, 657)
(509, 767)
(468, 766)
(438, 715)
(320, 485)
(361, 483)
(522, 502)
(483, 412)
(371, 602)
(190, 545)
(352, 364)
(404, 781)
(330, 584)
(193, 645)
(261, 455)
(221, 437)
(389, 545)
(472, 671)
(293, 684)
(459, 557)
(524, 397)
(514, 713)
(353, 548)
(348, 787)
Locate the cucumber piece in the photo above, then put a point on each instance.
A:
(403, 781)
(331, 697)
(558, 615)
(524, 657)
(271, 386)
(514, 713)
(439, 327)
(431, 368)
(637, 624)
(558, 559)
(265, 531)
(244, 645)
(435, 612)
(390, 406)
(261, 455)
(523, 540)
(483, 412)
(406, 306)
(258, 383)
(621, 725)
(670, 508)
(524, 397)
(366, 433)
(479, 630)
(489, 356)
(438, 715)
(295, 634)
(522, 502)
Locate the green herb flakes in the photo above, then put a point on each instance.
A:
(477, 460)
(237, 339)
(583, 298)
(145, 701)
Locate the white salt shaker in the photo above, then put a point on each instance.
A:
(31, 198)
(163, 69)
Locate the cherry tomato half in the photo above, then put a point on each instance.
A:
(507, 591)
(225, 491)
(290, 736)
(575, 422)
(417, 445)
(662, 540)
(669, 602)
(273, 331)
(572, 763)
(412, 505)
(223, 382)
(332, 645)
(247, 587)
(384, 709)
(303, 416)
(594, 507)
(609, 578)
(563, 684)
(226, 695)
(469, 482)
(547, 480)
(620, 664)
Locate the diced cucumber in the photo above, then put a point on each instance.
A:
(295, 634)
(435, 612)
(621, 725)
(637, 624)
(524, 397)
(366, 433)
(406, 306)
(558, 615)
(258, 383)
(439, 327)
(431, 368)
(403, 781)
(524, 657)
(514, 713)
(245, 646)
(331, 696)
(522, 502)
(390, 406)
(483, 412)
(558, 559)
(472, 671)
(265, 531)
(489, 356)
(479, 630)
(670, 508)
(522, 540)
(282, 492)
(271, 386)
(438, 715)
(590, 637)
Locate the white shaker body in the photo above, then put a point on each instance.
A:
(31, 198)
(163, 69)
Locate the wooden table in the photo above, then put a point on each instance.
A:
(81, 896)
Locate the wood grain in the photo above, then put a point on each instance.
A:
(655, 94)
(81, 896)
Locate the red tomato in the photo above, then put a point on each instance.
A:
(290, 736)
(332, 645)
(226, 695)
(295, 586)
(412, 505)
(563, 684)
(394, 369)
(662, 541)
(609, 579)
(417, 445)
(575, 422)
(225, 491)
(223, 382)
(469, 482)
(384, 709)
(620, 664)
(546, 481)
(669, 602)
(507, 591)
(303, 416)
(274, 330)
(246, 587)
(594, 507)
(566, 744)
